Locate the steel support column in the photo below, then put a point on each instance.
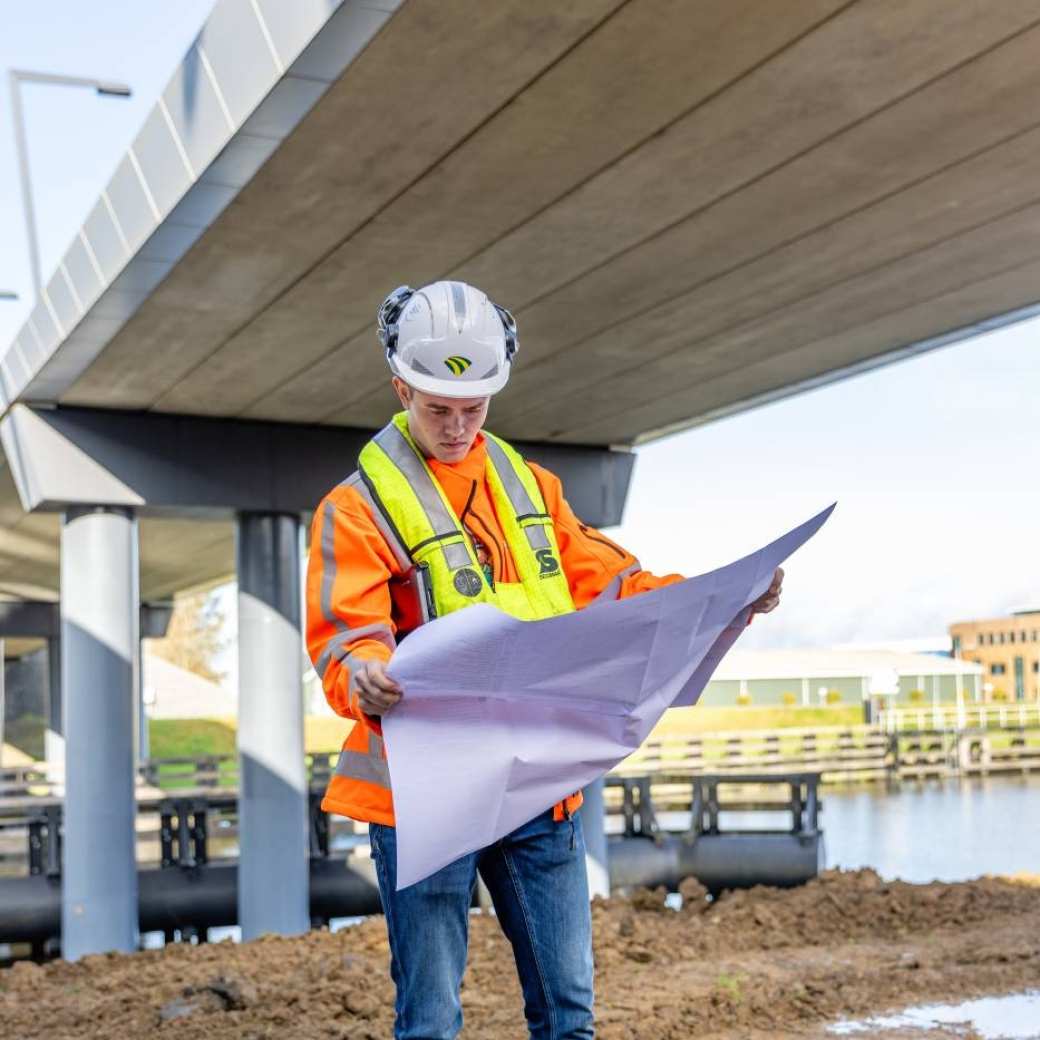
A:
(99, 621)
(272, 873)
(593, 818)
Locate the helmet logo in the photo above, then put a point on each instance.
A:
(457, 364)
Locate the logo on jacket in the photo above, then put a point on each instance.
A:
(467, 582)
(457, 364)
(547, 562)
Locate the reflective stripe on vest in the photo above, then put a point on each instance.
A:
(371, 767)
(415, 507)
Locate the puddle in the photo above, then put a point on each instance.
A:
(1016, 1017)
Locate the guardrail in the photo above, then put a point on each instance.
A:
(960, 716)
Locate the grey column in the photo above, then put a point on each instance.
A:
(99, 604)
(273, 893)
(593, 820)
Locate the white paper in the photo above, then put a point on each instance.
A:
(501, 718)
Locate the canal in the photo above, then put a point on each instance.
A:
(945, 831)
(917, 831)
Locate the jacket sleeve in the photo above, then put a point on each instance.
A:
(596, 567)
(348, 598)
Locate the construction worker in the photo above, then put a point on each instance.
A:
(439, 515)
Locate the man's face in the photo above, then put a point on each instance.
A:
(444, 427)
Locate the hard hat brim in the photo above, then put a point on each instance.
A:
(451, 387)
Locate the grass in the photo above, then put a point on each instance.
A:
(681, 721)
(26, 734)
(190, 738)
(194, 738)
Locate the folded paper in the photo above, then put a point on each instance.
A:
(502, 718)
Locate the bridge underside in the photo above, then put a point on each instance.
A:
(690, 207)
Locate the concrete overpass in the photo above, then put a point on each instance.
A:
(691, 208)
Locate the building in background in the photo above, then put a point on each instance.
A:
(1007, 648)
(836, 676)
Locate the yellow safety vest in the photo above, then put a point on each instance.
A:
(422, 520)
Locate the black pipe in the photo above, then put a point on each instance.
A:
(197, 898)
(717, 861)
(206, 896)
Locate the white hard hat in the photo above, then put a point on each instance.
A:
(447, 338)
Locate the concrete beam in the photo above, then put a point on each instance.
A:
(42, 619)
(32, 618)
(161, 464)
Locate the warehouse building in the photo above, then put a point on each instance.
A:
(814, 677)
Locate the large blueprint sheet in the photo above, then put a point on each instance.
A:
(501, 718)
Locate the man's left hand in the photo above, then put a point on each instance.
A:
(771, 597)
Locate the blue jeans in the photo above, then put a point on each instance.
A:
(536, 877)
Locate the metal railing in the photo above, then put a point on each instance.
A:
(638, 799)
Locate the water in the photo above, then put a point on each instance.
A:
(1016, 1017)
(923, 831)
(936, 831)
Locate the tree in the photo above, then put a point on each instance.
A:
(193, 637)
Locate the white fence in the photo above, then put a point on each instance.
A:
(960, 716)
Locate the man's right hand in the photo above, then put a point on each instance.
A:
(377, 692)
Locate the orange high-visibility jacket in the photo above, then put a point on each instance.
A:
(354, 575)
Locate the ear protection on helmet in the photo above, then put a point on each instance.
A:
(509, 325)
(393, 307)
(389, 311)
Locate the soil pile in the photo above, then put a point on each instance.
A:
(754, 964)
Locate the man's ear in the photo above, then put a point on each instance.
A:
(403, 391)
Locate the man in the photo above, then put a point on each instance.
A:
(441, 515)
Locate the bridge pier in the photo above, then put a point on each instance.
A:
(99, 619)
(272, 801)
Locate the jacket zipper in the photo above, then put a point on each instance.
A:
(462, 519)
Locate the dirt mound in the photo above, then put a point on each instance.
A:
(837, 906)
(850, 942)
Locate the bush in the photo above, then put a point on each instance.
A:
(790, 699)
(917, 696)
(743, 698)
(834, 696)
(999, 696)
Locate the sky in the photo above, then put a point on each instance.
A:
(933, 461)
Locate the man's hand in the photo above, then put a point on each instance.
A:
(771, 597)
(377, 692)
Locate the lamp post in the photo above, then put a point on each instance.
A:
(5, 295)
(16, 78)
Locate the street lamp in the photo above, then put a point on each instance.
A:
(4, 295)
(17, 77)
